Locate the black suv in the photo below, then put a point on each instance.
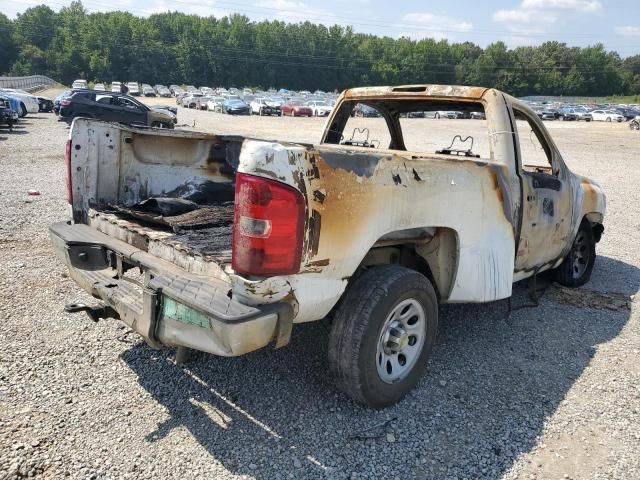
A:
(112, 107)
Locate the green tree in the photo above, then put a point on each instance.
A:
(8, 47)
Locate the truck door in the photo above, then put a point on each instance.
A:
(547, 197)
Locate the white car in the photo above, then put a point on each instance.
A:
(134, 88)
(99, 87)
(264, 106)
(320, 108)
(79, 84)
(29, 103)
(606, 116)
(115, 87)
(214, 104)
(191, 100)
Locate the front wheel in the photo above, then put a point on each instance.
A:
(436, 116)
(382, 335)
(575, 270)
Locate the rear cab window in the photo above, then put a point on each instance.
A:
(421, 127)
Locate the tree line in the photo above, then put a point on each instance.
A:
(177, 48)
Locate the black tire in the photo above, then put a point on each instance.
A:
(356, 331)
(576, 268)
(608, 119)
(23, 110)
(437, 116)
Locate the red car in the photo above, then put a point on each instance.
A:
(296, 108)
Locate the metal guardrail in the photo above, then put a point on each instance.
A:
(30, 83)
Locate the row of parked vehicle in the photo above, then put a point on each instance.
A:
(250, 102)
(587, 113)
(16, 104)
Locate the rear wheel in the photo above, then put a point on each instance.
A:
(382, 335)
(23, 110)
(576, 268)
(437, 115)
(608, 119)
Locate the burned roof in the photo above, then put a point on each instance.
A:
(427, 90)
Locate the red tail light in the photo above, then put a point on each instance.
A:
(68, 163)
(65, 103)
(268, 227)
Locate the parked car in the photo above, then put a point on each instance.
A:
(190, 100)
(112, 107)
(362, 110)
(374, 241)
(59, 98)
(606, 116)
(115, 87)
(7, 116)
(134, 88)
(567, 114)
(79, 84)
(45, 104)
(148, 91)
(477, 115)
(546, 113)
(320, 108)
(201, 102)
(170, 108)
(296, 108)
(581, 113)
(28, 103)
(265, 106)
(214, 104)
(171, 112)
(99, 87)
(440, 114)
(13, 105)
(235, 106)
(163, 91)
(627, 113)
(635, 123)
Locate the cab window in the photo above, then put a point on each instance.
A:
(535, 151)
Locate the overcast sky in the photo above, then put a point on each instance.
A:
(615, 23)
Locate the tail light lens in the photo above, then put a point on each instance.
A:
(68, 164)
(65, 103)
(268, 227)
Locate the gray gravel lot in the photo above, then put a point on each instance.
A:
(549, 392)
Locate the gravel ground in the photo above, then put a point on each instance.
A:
(549, 392)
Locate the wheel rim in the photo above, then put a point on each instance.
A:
(401, 340)
(580, 254)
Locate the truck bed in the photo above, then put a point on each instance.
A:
(201, 248)
(169, 193)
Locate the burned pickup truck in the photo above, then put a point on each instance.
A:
(222, 243)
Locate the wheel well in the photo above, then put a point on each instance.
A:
(595, 220)
(436, 257)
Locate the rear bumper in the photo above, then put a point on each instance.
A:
(171, 306)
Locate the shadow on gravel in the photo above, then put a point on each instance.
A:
(491, 383)
(18, 129)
